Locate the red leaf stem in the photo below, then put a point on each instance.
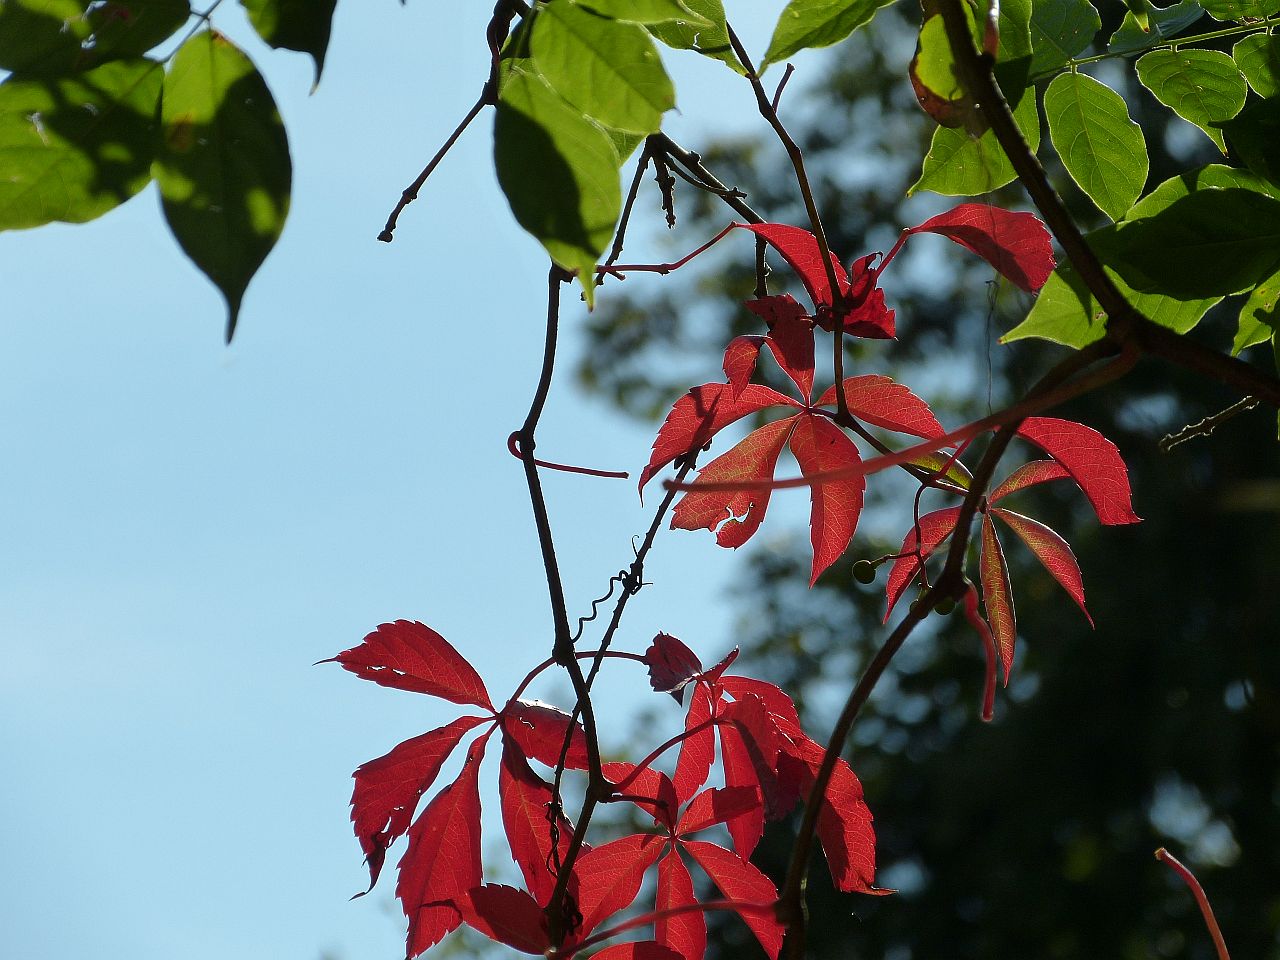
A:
(618, 269)
(989, 648)
(703, 906)
(513, 444)
(662, 748)
(1202, 900)
(549, 663)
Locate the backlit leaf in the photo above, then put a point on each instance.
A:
(1028, 475)
(740, 361)
(223, 166)
(42, 36)
(1060, 30)
(686, 933)
(506, 915)
(879, 401)
(639, 950)
(1260, 316)
(1016, 244)
(712, 41)
(654, 786)
(804, 24)
(716, 806)
(958, 164)
(820, 446)
(800, 249)
(933, 529)
(540, 729)
(1240, 9)
(73, 148)
(572, 205)
(301, 25)
(742, 772)
(408, 655)
(672, 665)
(526, 802)
(741, 881)
(609, 877)
(1258, 58)
(1051, 550)
(997, 596)
(1201, 86)
(1092, 460)
(697, 751)
(608, 70)
(645, 11)
(1163, 23)
(1102, 149)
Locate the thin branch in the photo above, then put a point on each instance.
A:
(782, 85)
(620, 235)
(1206, 426)
(1202, 900)
(704, 906)
(693, 163)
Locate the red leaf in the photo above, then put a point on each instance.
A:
(997, 596)
(702, 413)
(870, 317)
(609, 877)
(741, 772)
(880, 401)
(800, 249)
(713, 675)
(781, 307)
(791, 343)
(740, 362)
(651, 784)
(508, 916)
(819, 446)
(387, 789)
(775, 700)
(739, 880)
(1092, 460)
(539, 729)
(442, 861)
(642, 950)
(1028, 475)
(686, 933)
(698, 750)
(1051, 550)
(934, 528)
(1016, 244)
(526, 804)
(407, 655)
(716, 806)
(737, 513)
(671, 666)
(758, 731)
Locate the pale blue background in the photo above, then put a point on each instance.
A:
(185, 527)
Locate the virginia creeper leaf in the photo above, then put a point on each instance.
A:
(1027, 475)
(1060, 30)
(698, 750)
(540, 729)
(608, 70)
(1051, 550)
(753, 733)
(301, 25)
(712, 41)
(805, 24)
(820, 446)
(791, 343)
(1201, 86)
(741, 881)
(1258, 58)
(526, 802)
(685, 933)
(997, 596)
(408, 655)
(716, 806)
(1092, 460)
(387, 789)
(653, 785)
(1016, 244)
(774, 698)
(960, 165)
(609, 877)
(506, 915)
(800, 249)
(572, 205)
(934, 528)
(736, 514)
(741, 772)
(946, 466)
(73, 148)
(223, 165)
(672, 665)
(645, 11)
(1102, 149)
(702, 413)
(639, 950)
(880, 401)
(442, 861)
(1162, 23)
(1260, 316)
(740, 361)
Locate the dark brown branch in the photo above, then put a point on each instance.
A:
(691, 162)
(621, 234)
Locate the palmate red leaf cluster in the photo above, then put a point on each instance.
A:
(1016, 244)
(769, 766)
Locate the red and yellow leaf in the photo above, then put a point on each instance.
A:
(997, 595)
(1051, 550)
(1028, 475)
(1092, 460)
(880, 401)
(934, 528)
(820, 446)
(1016, 244)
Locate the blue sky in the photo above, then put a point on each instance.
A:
(186, 527)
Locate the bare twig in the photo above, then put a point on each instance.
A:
(1206, 426)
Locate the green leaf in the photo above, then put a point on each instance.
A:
(1254, 136)
(610, 71)
(960, 165)
(1240, 9)
(649, 11)
(956, 472)
(1211, 243)
(817, 23)
(1208, 177)
(1102, 149)
(1164, 23)
(1201, 86)
(933, 65)
(1260, 316)
(559, 172)
(1060, 29)
(1258, 58)
(223, 166)
(57, 37)
(74, 147)
(712, 41)
(301, 25)
(129, 28)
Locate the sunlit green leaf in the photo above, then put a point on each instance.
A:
(223, 167)
(1060, 30)
(1164, 23)
(74, 147)
(1258, 58)
(608, 70)
(301, 25)
(572, 205)
(1102, 149)
(1201, 86)
(712, 41)
(958, 164)
(817, 23)
(1240, 9)
(53, 37)
(957, 472)
(648, 11)
(130, 28)
(1260, 316)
